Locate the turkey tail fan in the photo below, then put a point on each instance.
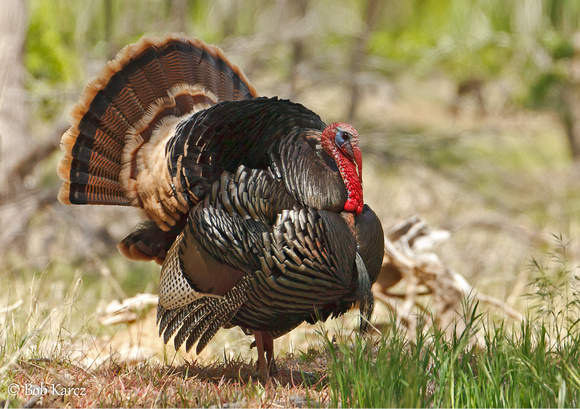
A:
(123, 119)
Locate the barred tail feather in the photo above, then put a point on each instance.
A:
(135, 98)
(200, 320)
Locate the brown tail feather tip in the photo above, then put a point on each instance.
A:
(63, 168)
(64, 192)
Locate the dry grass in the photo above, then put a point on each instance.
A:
(231, 384)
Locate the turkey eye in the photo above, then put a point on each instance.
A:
(341, 137)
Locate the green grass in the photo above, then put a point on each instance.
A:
(532, 364)
(513, 369)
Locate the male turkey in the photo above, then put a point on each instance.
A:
(255, 206)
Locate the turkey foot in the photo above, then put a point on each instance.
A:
(265, 345)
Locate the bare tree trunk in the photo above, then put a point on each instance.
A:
(372, 12)
(178, 15)
(300, 8)
(571, 126)
(230, 21)
(108, 9)
(571, 118)
(14, 135)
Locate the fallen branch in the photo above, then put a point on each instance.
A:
(407, 258)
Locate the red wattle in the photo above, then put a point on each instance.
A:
(350, 205)
(349, 162)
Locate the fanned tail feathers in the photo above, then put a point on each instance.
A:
(114, 150)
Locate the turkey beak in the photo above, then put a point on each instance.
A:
(349, 152)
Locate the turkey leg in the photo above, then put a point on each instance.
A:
(265, 345)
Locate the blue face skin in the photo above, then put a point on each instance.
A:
(342, 140)
(341, 137)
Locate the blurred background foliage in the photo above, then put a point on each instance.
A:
(469, 112)
(530, 45)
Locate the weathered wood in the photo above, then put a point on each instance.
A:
(13, 112)
(407, 258)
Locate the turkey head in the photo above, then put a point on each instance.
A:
(340, 141)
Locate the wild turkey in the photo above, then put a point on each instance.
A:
(255, 206)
